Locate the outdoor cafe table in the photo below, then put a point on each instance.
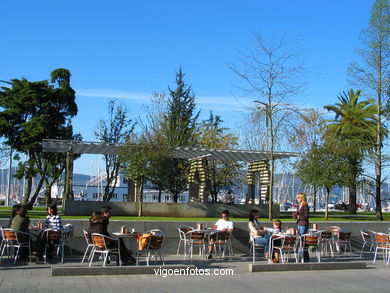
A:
(129, 236)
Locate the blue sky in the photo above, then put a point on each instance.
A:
(128, 49)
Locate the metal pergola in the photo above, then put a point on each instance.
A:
(71, 147)
(189, 153)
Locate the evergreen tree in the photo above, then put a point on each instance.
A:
(353, 131)
(324, 167)
(178, 128)
(223, 174)
(31, 112)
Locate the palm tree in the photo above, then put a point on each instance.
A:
(353, 132)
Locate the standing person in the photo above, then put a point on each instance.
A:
(302, 216)
(223, 224)
(258, 232)
(53, 219)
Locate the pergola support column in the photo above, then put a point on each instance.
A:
(68, 192)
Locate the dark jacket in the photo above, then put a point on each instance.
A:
(98, 228)
(20, 223)
(303, 215)
(102, 229)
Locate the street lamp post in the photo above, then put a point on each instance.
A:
(8, 197)
(267, 144)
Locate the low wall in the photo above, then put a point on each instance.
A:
(239, 239)
(190, 210)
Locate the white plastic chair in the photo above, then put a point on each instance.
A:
(368, 239)
(90, 245)
(327, 242)
(13, 241)
(343, 239)
(68, 236)
(382, 243)
(222, 244)
(288, 245)
(196, 238)
(182, 238)
(253, 247)
(54, 238)
(154, 246)
(310, 243)
(101, 242)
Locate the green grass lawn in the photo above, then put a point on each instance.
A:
(40, 213)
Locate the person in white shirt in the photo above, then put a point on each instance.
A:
(53, 219)
(221, 225)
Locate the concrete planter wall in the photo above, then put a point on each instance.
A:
(191, 210)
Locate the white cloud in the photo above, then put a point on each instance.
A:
(216, 103)
(113, 94)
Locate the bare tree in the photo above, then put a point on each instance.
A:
(372, 75)
(272, 73)
(115, 130)
(306, 134)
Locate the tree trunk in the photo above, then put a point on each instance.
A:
(27, 191)
(378, 201)
(352, 207)
(130, 190)
(112, 180)
(271, 150)
(270, 192)
(378, 173)
(140, 191)
(175, 197)
(159, 195)
(314, 197)
(379, 136)
(35, 195)
(106, 195)
(48, 195)
(327, 203)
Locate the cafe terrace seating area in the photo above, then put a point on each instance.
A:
(192, 244)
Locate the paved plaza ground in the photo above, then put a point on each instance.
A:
(33, 277)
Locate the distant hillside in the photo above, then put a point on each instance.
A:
(78, 179)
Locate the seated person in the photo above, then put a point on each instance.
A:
(21, 223)
(106, 212)
(221, 225)
(259, 233)
(13, 214)
(291, 231)
(53, 219)
(97, 225)
(277, 227)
